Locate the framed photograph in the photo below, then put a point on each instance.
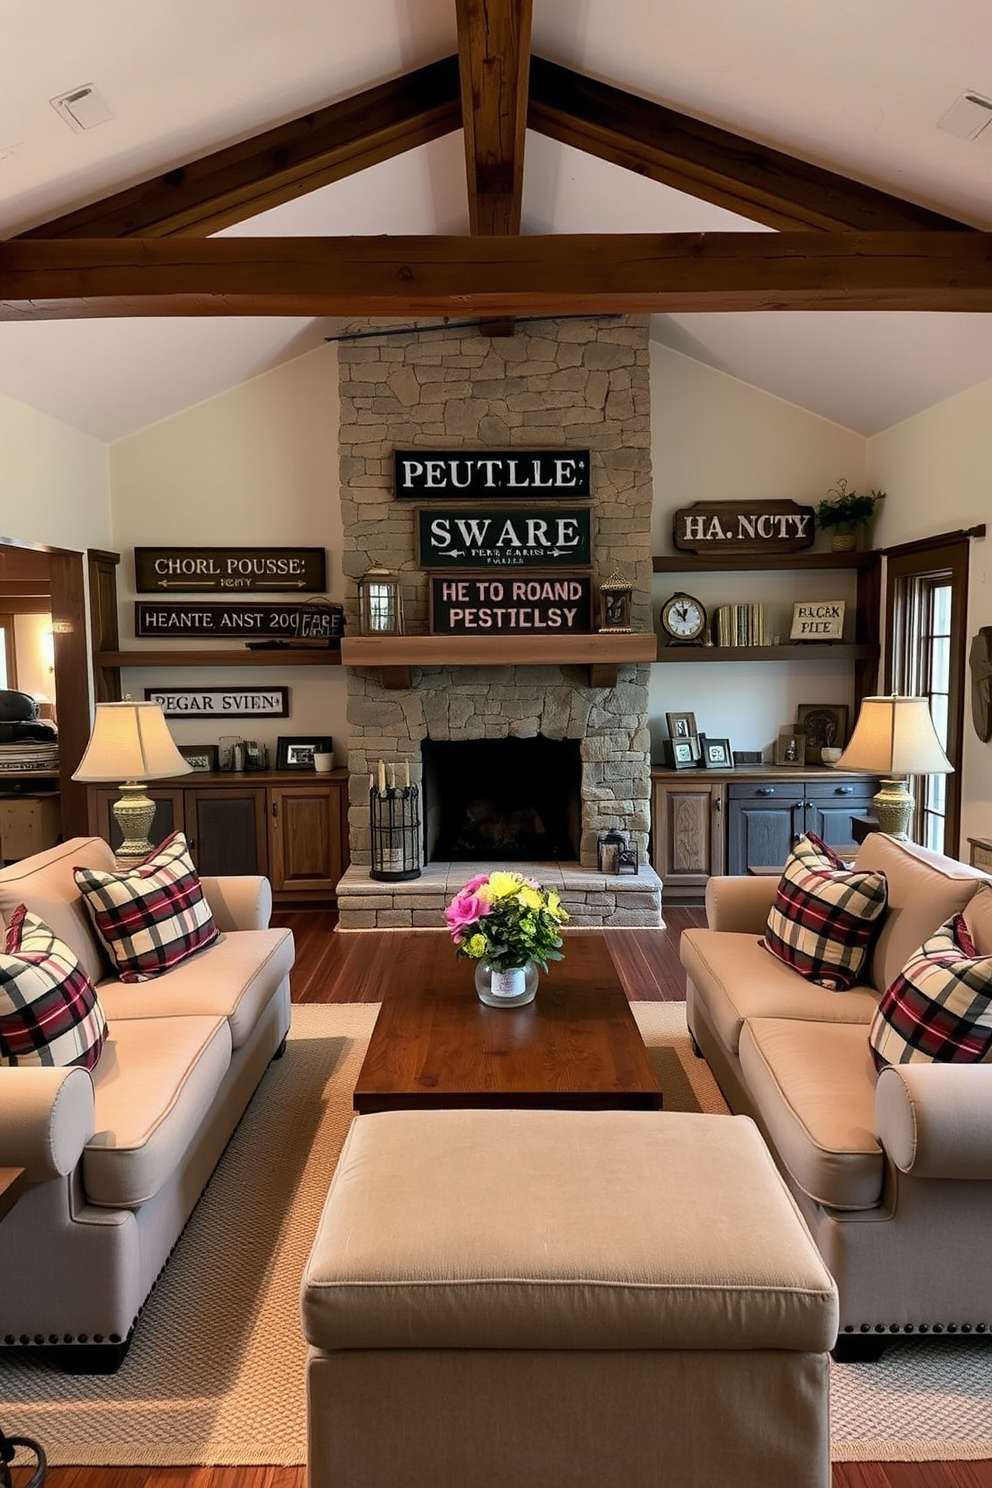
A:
(297, 754)
(790, 747)
(716, 753)
(202, 757)
(681, 725)
(825, 727)
(681, 754)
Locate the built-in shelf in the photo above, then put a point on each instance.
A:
(754, 562)
(395, 655)
(282, 657)
(794, 651)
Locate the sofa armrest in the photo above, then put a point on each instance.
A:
(46, 1119)
(933, 1119)
(739, 904)
(239, 903)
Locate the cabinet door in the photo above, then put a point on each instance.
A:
(306, 824)
(226, 829)
(687, 836)
(831, 804)
(169, 814)
(763, 823)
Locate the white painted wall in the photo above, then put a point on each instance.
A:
(937, 468)
(54, 481)
(256, 467)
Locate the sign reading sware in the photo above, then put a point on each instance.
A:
(743, 527)
(214, 570)
(446, 473)
(490, 537)
(220, 702)
(536, 604)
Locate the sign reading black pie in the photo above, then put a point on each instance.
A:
(535, 604)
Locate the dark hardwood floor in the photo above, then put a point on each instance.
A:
(342, 968)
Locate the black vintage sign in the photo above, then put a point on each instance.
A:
(536, 604)
(504, 537)
(430, 475)
(743, 527)
(220, 702)
(247, 621)
(216, 570)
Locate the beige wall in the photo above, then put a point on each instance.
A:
(54, 481)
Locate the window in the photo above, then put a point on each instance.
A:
(926, 601)
(8, 654)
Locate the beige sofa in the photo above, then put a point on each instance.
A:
(117, 1158)
(892, 1171)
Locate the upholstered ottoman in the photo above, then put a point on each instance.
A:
(561, 1299)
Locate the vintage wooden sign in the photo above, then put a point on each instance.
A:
(722, 527)
(220, 702)
(505, 537)
(818, 620)
(183, 570)
(429, 475)
(536, 604)
(245, 621)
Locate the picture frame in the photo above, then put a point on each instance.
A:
(790, 747)
(716, 753)
(681, 754)
(825, 726)
(681, 725)
(297, 752)
(202, 758)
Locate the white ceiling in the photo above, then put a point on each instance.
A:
(856, 88)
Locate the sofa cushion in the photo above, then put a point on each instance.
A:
(978, 918)
(939, 1008)
(236, 981)
(813, 1086)
(925, 889)
(45, 883)
(152, 1090)
(49, 1010)
(737, 979)
(152, 916)
(824, 915)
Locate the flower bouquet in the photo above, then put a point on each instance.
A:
(506, 920)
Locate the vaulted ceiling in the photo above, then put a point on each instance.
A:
(768, 182)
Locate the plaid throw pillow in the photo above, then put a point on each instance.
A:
(940, 1005)
(825, 915)
(49, 1011)
(152, 916)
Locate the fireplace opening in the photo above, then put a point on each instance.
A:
(511, 799)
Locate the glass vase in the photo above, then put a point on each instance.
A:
(506, 989)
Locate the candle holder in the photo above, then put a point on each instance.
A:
(394, 824)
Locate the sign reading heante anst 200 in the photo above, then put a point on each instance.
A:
(743, 527)
(439, 474)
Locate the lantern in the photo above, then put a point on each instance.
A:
(380, 607)
(615, 595)
(608, 848)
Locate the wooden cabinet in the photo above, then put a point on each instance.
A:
(763, 821)
(28, 824)
(688, 834)
(289, 826)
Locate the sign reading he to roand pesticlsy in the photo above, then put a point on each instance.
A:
(215, 570)
(511, 537)
(743, 527)
(432, 475)
(534, 604)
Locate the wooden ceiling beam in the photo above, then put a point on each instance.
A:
(279, 165)
(750, 179)
(494, 59)
(455, 277)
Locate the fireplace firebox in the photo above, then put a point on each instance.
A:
(510, 800)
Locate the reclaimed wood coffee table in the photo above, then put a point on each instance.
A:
(435, 1044)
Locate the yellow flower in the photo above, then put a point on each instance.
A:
(530, 898)
(555, 906)
(500, 884)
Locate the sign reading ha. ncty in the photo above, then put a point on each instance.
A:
(431, 475)
(535, 604)
(743, 527)
(511, 537)
(220, 702)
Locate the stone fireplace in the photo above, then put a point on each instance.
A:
(550, 760)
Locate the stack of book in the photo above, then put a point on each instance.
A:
(740, 625)
(29, 756)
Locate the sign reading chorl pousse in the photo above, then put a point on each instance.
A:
(215, 570)
(431, 475)
(533, 604)
(509, 537)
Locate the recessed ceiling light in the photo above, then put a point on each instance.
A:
(967, 116)
(83, 108)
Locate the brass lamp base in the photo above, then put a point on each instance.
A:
(894, 806)
(134, 814)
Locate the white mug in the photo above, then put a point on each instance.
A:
(323, 763)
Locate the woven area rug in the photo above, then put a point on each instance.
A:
(215, 1374)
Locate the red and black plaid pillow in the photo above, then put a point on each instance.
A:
(152, 916)
(825, 915)
(49, 1010)
(939, 1008)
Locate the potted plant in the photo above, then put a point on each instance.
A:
(844, 512)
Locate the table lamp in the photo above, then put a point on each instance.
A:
(130, 742)
(894, 737)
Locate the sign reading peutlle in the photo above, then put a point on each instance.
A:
(214, 570)
(509, 537)
(440, 474)
(535, 604)
(720, 527)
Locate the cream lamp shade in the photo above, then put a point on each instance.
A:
(894, 737)
(130, 743)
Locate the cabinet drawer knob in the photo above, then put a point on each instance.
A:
(843, 790)
(765, 790)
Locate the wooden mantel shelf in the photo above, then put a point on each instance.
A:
(395, 655)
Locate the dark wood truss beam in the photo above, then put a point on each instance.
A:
(758, 183)
(494, 58)
(448, 276)
(288, 161)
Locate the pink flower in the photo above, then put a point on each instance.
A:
(474, 883)
(463, 911)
